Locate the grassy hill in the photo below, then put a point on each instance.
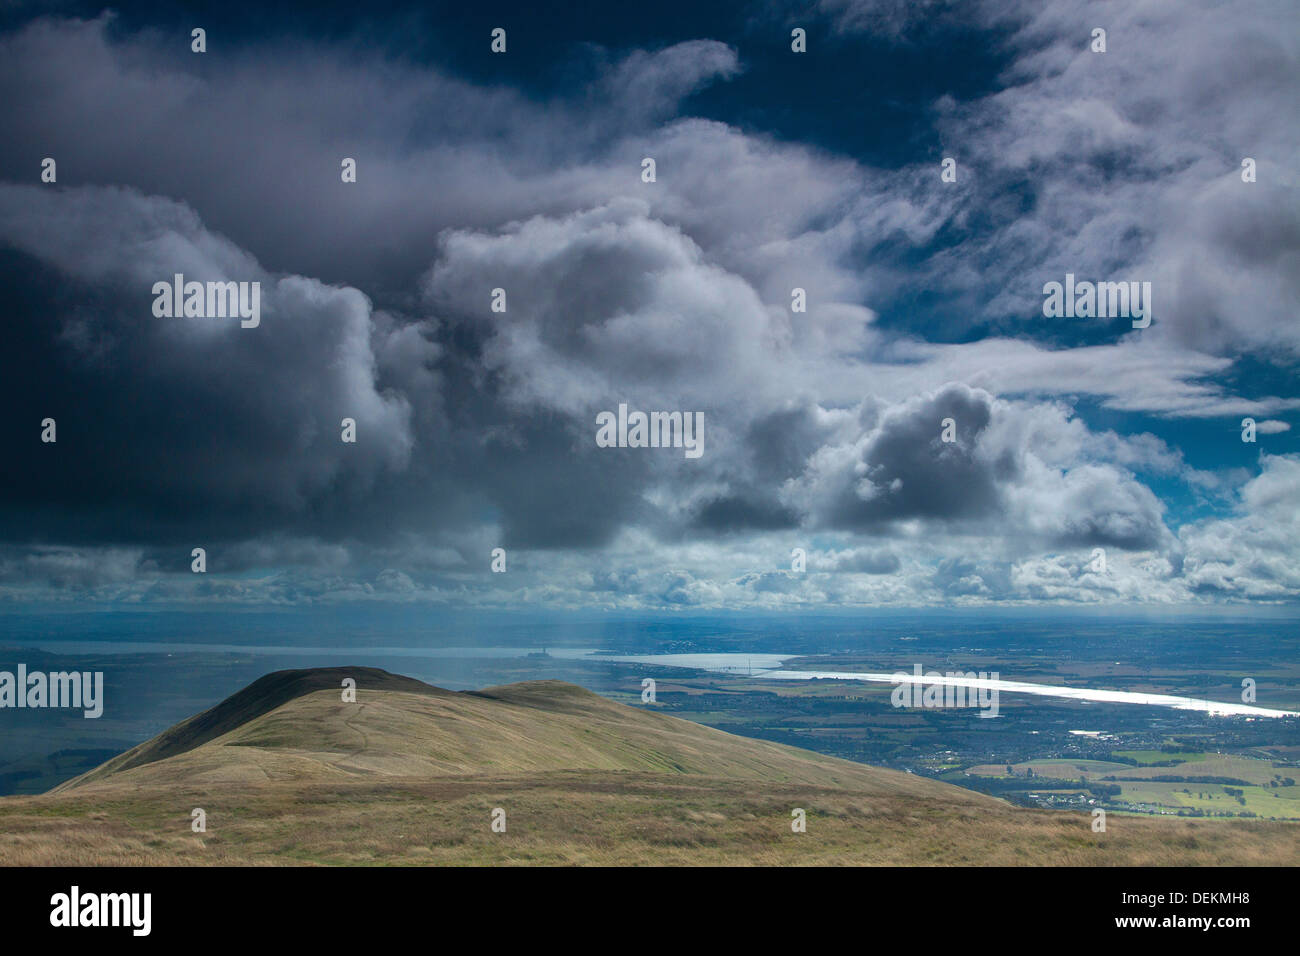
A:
(257, 699)
(287, 772)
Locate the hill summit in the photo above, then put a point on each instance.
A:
(296, 725)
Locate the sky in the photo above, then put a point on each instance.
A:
(1091, 462)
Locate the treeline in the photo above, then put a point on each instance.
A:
(1133, 762)
(1229, 781)
(1005, 786)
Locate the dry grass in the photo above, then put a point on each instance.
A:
(595, 817)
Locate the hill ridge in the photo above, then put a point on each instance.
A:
(262, 696)
(294, 726)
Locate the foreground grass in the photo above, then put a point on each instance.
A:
(595, 818)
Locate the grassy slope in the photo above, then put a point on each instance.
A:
(288, 773)
(260, 697)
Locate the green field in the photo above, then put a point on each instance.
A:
(1282, 803)
(1262, 792)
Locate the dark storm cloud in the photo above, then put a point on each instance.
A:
(1001, 475)
(737, 513)
(781, 443)
(906, 470)
(191, 426)
(171, 434)
(176, 422)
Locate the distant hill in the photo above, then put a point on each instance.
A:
(287, 772)
(289, 726)
(260, 697)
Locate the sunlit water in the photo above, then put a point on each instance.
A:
(765, 666)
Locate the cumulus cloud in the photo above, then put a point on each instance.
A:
(1010, 469)
(824, 428)
(1251, 554)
